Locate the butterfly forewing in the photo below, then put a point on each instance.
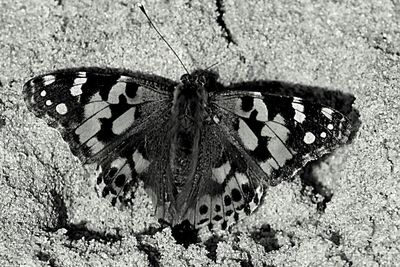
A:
(94, 109)
(280, 133)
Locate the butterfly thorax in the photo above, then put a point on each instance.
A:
(188, 115)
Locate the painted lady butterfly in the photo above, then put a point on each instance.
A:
(204, 152)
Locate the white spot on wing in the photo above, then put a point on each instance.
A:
(330, 126)
(219, 174)
(124, 121)
(279, 119)
(61, 109)
(80, 80)
(117, 163)
(309, 138)
(323, 135)
(124, 78)
(48, 79)
(266, 167)
(92, 113)
(249, 139)
(117, 90)
(43, 93)
(327, 112)
(95, 145)
(48, 102)
(141, 163)
(95, 105)
(77, 88)
(262, 111)
(241, 178)
(92, 125)
(256, 94)
(299, 116)
(279, 151)
(276, 146)
(273, 163)
(298, 106)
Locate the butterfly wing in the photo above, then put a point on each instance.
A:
(104, 115)
(280, 133)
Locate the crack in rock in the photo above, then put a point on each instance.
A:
(226, 33)
(385, 146)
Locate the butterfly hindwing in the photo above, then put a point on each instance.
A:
(280, 133)
(157, 179)
(228, 185)
(95, 108)
(135, 160)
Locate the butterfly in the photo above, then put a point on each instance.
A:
(205, 152)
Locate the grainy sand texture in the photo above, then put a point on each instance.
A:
(346, 213)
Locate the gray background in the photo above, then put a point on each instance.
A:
(50, 213)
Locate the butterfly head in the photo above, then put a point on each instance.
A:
(199, 79)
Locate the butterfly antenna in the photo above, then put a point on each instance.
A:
(218, 63)
(213, 65)
(162, 37)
